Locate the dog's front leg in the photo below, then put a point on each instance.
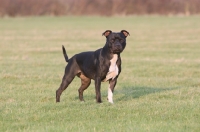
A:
(111, 87)
(97, 89)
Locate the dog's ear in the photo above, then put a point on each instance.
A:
(106, 33)
(126, 33)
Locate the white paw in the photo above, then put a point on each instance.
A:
(110, 96)
(111, 101)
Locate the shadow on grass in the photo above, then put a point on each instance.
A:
(136, 92)
(128, 93)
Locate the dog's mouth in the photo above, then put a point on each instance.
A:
(117, 50)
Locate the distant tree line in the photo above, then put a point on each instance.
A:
(98, 7)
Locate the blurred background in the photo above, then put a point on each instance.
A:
(158, 89)
(98, 7)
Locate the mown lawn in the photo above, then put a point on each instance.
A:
(158, 89)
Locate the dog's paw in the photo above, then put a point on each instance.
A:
(110, 100)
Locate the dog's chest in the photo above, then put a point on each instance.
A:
(113, 69)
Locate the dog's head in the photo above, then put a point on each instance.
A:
(116, 41)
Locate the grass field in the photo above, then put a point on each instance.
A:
(157, 91)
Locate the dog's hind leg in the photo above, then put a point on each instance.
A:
(70, 73)
(85, 82)
(65, 82)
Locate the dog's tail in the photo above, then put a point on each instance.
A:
(65, 54)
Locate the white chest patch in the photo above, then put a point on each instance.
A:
(113, 69)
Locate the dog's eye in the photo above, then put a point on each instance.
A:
(112, 41)
(121, 40)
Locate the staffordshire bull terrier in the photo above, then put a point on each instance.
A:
(101, 65)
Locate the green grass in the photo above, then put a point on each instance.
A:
(158, 89)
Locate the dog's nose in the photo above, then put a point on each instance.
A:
(118, 45)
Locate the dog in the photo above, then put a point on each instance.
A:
(101, 65)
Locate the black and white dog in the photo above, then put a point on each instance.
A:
(101, 65)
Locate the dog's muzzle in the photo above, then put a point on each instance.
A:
(117, 48)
